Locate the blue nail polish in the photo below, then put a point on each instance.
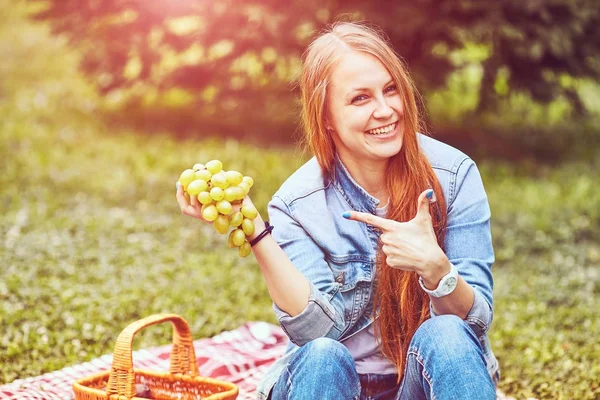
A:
(346, 215)
(176, 186)
(429, 194)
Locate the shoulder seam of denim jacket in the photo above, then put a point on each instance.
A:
(429, 146)
(453, 181)
(442, 169)
(310, 174)
(289, 211)
(291, 197)
(308, 193)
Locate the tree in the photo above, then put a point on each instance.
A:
(532, 43)
(237, 57)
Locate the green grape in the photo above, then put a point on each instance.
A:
(230, 194)
(238, 237)
(214, 166)
(224, 207)
(248, 180)
(203, 207)
(196, 187)
(230, 240)
(186, 177)
(198, 167)
(210, 213)
(233, 177)
(217, 194)
(221, 224)
(219, 180)
(204, 198)
(204, 175)
(249, 211)
(245, 249)
(245, 187)
(236, 219)
(236, 192)
(248, 226)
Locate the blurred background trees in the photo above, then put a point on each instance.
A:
(228, 66)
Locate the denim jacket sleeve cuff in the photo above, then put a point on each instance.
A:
(479, 317)
(316, 320)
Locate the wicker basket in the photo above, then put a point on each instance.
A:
(182, 382)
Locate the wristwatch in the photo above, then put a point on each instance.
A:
(446, 286)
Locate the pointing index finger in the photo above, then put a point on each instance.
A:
(378, 222)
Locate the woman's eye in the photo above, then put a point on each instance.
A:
(359, 98)
(391, 88)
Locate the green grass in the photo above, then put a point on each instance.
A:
(547, 279)
(92, 239)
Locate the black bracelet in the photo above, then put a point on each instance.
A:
(268, 229)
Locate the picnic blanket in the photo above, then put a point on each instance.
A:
(240, 356)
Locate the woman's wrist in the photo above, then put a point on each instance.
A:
(259, 226)
(435, 272)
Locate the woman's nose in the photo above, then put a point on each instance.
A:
(383, 110)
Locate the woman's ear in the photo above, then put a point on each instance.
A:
(328, 125)
(327, 121)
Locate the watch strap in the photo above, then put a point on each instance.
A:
(446, 286)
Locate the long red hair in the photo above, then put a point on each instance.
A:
(402, 305)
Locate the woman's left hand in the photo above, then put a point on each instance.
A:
(411, 245)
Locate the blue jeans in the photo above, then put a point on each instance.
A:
(445, 361)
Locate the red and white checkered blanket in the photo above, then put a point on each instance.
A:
(240, 356)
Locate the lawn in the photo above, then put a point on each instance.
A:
(92, 239)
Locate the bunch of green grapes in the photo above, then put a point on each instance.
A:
(218, 191)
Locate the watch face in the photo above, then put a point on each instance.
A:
(450, 282)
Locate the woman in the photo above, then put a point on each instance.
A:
(379, 265)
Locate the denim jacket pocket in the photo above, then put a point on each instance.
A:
(353, 278)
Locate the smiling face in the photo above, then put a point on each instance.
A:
(364, 110)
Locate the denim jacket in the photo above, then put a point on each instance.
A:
(338, 255)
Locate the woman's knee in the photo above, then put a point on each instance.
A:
(447, 332)
(324, 357)
(324, 350)
(320, 360)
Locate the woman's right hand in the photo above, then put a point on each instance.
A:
(190, 208)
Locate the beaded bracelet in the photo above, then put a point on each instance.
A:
(268, 229)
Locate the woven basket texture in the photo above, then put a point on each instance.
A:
(182, 382)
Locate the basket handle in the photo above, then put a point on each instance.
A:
(121, 380)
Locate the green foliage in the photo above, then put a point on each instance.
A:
(223, 61)
(188, 63)
(519, 127)
(41, 80)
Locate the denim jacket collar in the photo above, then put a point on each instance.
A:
(356, 196)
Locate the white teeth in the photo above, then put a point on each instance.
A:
(382, 131)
